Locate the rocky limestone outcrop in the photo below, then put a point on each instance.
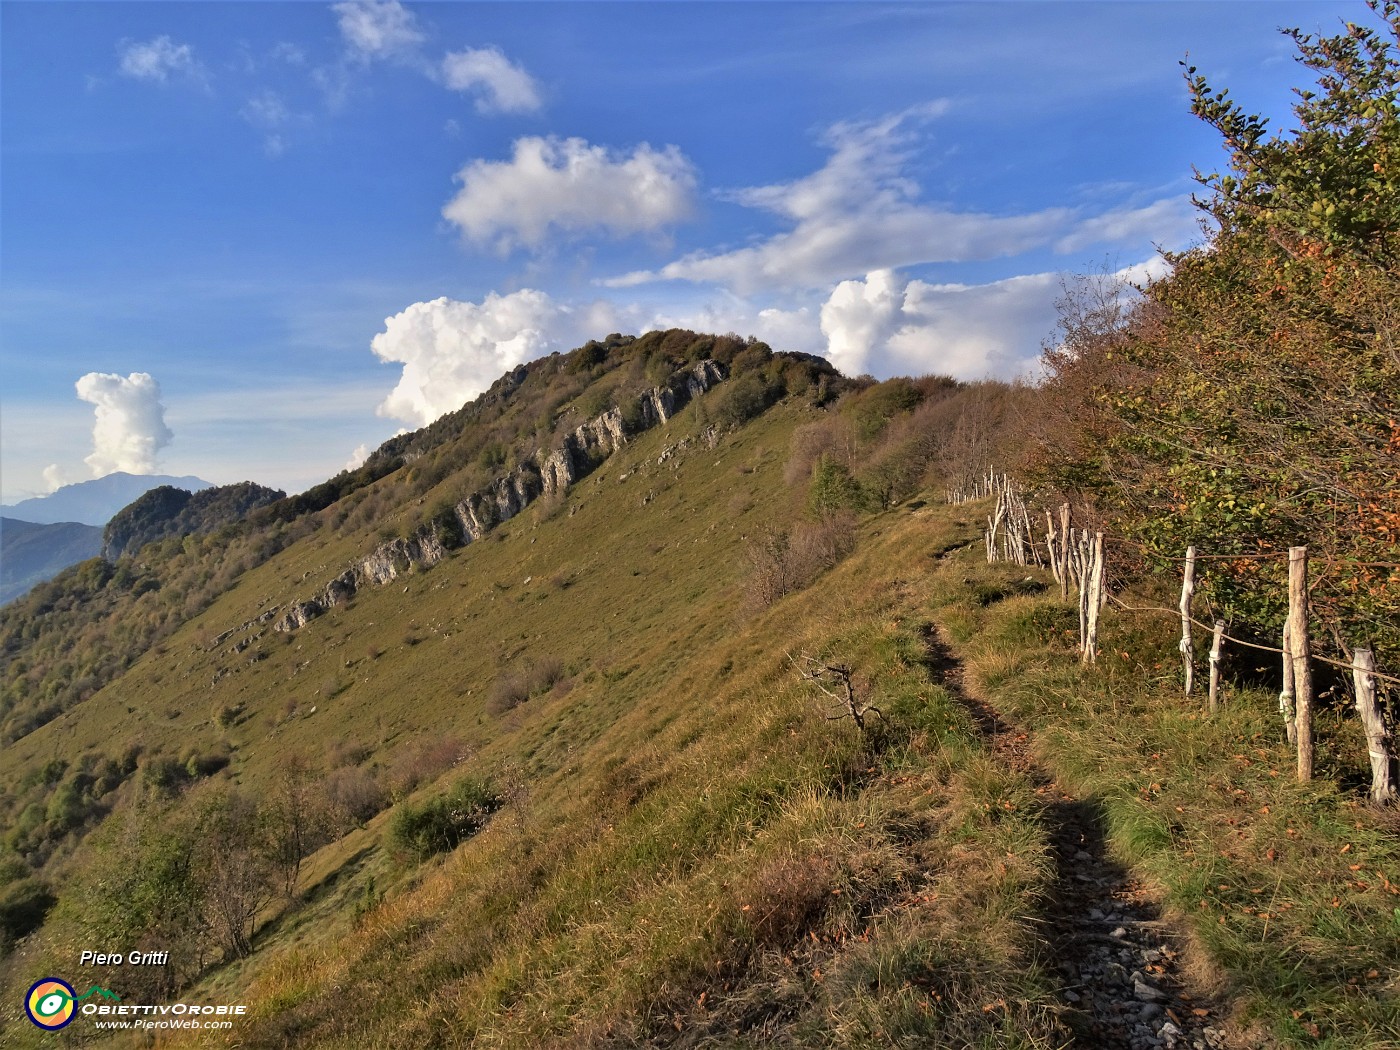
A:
(559, 470)
(386, 562)
(589, 444)
(704, 375)
(298, 614)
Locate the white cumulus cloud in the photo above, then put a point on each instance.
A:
(157, 59)
(129, 428)
(860, 212)
(500, 85)
(451, 350)
(860, 316)
(358, 457)
(374, 29)
(887, 326)
(570, 185)
(55, 477)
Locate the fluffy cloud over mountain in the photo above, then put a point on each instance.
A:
(129, 428)
(451, 351)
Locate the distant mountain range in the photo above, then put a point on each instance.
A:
(94, 502)
(31, 554)
(41, 537)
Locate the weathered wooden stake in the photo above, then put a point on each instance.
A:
(1188, 589)
(1064, 549)
(1286, 706)
(1093, 601)
(1050, 547)
(994, 524)
(1217, 640)
(1378, 741)
(1302, 652)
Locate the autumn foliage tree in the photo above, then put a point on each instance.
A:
(1250, 400)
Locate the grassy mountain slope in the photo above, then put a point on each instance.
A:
(569, 786)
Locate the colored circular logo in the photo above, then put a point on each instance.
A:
(49, 1003)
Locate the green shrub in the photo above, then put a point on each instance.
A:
(834, 489)
(874, 408)
(164, 773)
(440, 824)
(744, 398)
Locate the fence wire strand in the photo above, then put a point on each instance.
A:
(1176, 614)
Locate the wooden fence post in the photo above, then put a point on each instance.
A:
(1378, 742)
(1081, 578)
(996, 522)
(1302, 651)
(1064, 549)
(1217, 641)
(1050, 547)
(1093, 602)
(1286, 706)
(1188, 589)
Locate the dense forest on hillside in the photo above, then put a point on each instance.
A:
(169, 511)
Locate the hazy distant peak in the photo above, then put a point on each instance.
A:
(94, 502)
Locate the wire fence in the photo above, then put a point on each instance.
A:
(1176, 614)
(1075, 556)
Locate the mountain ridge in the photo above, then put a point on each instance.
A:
(94, 502)
(592, 777)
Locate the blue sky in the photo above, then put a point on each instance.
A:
(313, 224)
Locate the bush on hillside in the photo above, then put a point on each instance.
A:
(528, 679)
(350, 797)
(834, 490)
(426, 761)
(24, 903)
(440, 824)
(782, 561)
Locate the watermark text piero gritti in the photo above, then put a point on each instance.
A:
(127, 959)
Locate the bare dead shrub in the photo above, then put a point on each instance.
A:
(787, 898)
(423, 763)
(507, 692)
(527, 679)
(816, 546)
(349, 798)
(770, 574)
(345, 753)
(781, 562)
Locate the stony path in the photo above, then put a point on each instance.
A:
(1124, 988)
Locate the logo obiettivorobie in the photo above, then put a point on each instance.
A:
(52, 1004)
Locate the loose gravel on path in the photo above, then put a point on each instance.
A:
(1124, 983)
